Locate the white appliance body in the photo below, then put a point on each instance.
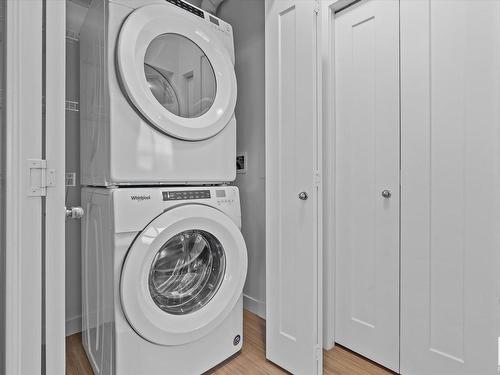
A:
(125, 331)
(157, 95)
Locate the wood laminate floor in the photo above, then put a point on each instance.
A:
(251, 360)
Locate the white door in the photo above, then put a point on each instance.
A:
(32, 45)
(450, 267)
(367, 180)
(23, 141)
(293, 248)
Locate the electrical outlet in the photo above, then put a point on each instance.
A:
(241, 162)
(72, 106)
(70, 179)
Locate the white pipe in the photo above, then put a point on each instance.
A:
(211, 5)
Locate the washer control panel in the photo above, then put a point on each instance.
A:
(185, 195)
(134, 207)
(224, 197)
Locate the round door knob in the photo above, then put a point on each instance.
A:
(303, 195)
(74, 213)
(386, 194)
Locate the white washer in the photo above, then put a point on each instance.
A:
(157, 95)
(163, 271)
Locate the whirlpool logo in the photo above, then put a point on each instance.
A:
(140, 198)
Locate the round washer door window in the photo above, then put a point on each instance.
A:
(180, 75)
(183, 274)
(187, 272)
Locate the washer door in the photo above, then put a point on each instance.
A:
(176, 72)
(183, 274)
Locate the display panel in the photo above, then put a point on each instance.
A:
(185, 194)
(213, 20)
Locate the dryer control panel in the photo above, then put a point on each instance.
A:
(187, 7)
(216, 23)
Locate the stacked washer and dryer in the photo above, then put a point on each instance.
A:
(163, 258)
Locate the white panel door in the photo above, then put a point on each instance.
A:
(450, 268)
(367, 180)
(293, 268)
(23, 212)
(32, 272)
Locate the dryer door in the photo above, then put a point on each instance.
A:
(176, 72)
(183, 274)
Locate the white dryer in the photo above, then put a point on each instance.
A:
(157, 95)
(163, 274)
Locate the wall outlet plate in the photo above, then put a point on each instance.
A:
(241, 162)
(70, 178)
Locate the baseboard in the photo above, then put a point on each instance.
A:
(254, 306)
(73, 325)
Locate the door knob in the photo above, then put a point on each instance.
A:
(74, 213)
(303, 196)
(386, 194)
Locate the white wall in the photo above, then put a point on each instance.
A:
(247, 19)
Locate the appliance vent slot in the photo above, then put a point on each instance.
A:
(187, 7)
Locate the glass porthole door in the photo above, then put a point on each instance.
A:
(162, 88)
(187, 272)
(176, 72)
(180, 75)
(183, 274)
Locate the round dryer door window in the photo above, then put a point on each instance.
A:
(162, 88)
(180, 75)
(187, 272)
(177, 71)
(183, 274)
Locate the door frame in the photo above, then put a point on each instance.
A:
(55, 154)
(25, 132)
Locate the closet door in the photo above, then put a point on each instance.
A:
(450, 269)
(293, 199)
(367, 180)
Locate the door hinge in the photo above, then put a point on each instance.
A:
(319, 353)
(39, 177)
(316, 7)
(317, 178)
